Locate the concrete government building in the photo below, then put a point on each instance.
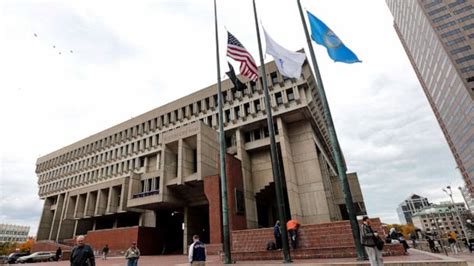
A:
(154, 178)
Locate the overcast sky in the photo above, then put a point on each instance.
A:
(95, 64)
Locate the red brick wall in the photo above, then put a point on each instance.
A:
(234, 181)
(324, 235)
(120, 239)
(212, 191)
(326, 240)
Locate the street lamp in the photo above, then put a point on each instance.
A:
(450, 194)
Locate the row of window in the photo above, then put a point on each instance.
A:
(152, 141)
(152, 124)
(9, 232)
(433, 3)
(12, 239)
(108, 171)
(104, 157)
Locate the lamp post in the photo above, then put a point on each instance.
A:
(450, 194)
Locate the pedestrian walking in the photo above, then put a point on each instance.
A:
(368, 239)
(59, 253)
(132, 255)
(452, 241)
(197, 252)
(277, 234)
(105, 251)
(292, 226)
(82, 254)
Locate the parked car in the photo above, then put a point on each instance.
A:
(15, 255)
(37, 256)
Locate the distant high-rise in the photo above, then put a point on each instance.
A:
(410, 206)
(438, 37)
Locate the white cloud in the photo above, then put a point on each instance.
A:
(130, 58)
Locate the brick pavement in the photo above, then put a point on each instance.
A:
(415, 256)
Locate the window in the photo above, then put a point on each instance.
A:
(290, 95)
(247, 136)
(449, 33)
(443, 17)
(256, 134)
(461, 10)
(274, 78)
(436, 11)
(432, 4)
(455, 3)
(279, 98)
(465, 59)
(461, 49)
(455, 41)
(195, 161)
(257, 106)
(470, 79)
(227, 115)
(253, 86)
(468, 17)
(266, 133)
(237, 111)
(468, 27)
(246, 109)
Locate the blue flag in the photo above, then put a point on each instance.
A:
(323, 35)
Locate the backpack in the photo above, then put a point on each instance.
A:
(271, 245)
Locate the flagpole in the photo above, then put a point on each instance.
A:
(273, 150)
(222, 153)
(341, 169)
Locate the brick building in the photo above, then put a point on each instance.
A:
(155, 177)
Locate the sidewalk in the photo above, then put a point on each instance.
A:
(415, 257)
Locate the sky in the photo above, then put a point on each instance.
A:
(92, 65)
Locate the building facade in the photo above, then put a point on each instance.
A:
(156, 170)
(468, 199)
(439, 218)
(438, 37)
(410, 206)
(13, 233)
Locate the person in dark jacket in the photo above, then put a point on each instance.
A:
(82, 254)
(394, 235)
(277, 234)
(59, 252)
(197, 252)
(105, 251)
(367, 239)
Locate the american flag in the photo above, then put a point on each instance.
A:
(237, 51)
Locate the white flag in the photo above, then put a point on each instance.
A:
(289, 63)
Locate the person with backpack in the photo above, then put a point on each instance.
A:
(369, 240)
(277, 234)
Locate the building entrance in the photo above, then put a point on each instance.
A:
(267, 211)
(170, 223)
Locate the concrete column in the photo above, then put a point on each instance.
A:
(102, 198)
(250, 204)
(180, 162)
(56, 217)
(289, 171)
(185, 230)
(147, 219)
(66, 226)
(46, 221)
